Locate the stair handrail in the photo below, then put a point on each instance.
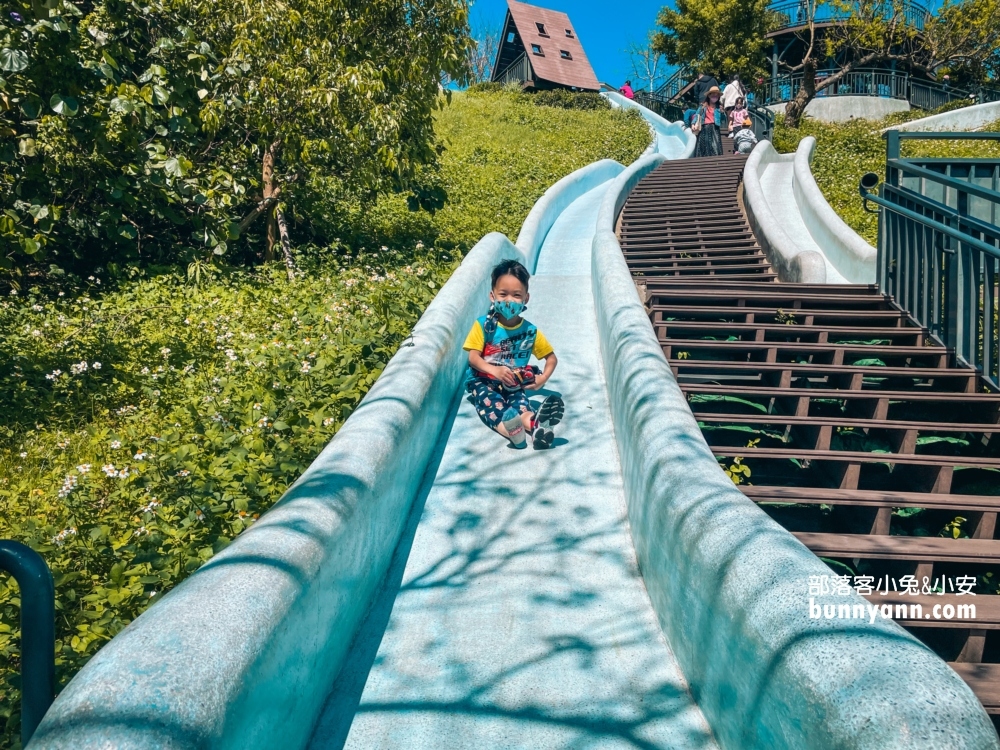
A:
(38, 640)
(941, 260)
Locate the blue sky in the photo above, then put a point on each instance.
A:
(605, 28)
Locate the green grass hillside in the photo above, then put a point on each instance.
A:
(846, 151)
(143, 428)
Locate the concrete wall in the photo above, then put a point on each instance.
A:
(844, 108)
(730, 586)
(673, 139)
(242, 653)
(790, 261)
(848, 251)
(964, 119)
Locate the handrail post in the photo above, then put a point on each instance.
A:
(38, 639)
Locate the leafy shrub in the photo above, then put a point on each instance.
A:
(565, 99)
(137, 134)
(484, 87)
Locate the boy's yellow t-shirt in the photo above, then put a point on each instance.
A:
(476, 339)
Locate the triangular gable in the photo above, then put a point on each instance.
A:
(562, 60)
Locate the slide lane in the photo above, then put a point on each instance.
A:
(519, 618)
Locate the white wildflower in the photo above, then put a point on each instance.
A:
(83, 468)
(69, 484)
(60, 539)
(116, 444)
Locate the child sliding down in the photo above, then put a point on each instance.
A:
(500, 345)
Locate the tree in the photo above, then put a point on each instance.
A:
(648, 63)
(721, 36)
(159, 132)
(483, 52)
(879, 31)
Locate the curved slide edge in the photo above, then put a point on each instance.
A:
(792, 262)
(557, 199)
(243, 652)
(803, 237)
(973, 117)
(796, 226)
(847, 250)
(730, 586)
(672, 139)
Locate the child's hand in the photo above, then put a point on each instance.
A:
(506, 376)
(539, 382)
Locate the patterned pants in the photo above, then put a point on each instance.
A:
(491, 402)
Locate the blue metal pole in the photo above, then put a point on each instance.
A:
(38, 637)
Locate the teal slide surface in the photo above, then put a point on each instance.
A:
(521, 620)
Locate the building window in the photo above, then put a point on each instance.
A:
(565, 55)
(569, 33)
(510, 38)
(541, 28)
(536, 49)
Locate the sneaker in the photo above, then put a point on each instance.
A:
(515, 428)
(543, 439)
(550, 413)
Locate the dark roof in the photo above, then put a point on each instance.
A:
(551, 65)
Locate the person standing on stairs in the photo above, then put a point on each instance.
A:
(702, 85)
(708, 123)
(731, 96)
(500, 345)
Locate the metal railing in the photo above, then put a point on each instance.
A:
(659, 104)
(519, 71)
(673, 86)
(939, 245)
(795, 14)
(920, 93)
(38, 640)
(763, 121)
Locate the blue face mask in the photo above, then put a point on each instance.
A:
(508, 308)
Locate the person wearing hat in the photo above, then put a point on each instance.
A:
(702, 85)
(708, 123)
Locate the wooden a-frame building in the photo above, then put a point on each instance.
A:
(540, 50)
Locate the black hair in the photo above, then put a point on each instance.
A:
(510, 268)
(735, 78)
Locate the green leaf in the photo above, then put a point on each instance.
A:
(177, 166)
(13, 60)
(64, 105)
(707, 398)
(932, 439)
(870, 363)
